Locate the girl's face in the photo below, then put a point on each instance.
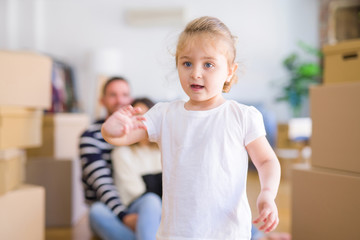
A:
(203, 69)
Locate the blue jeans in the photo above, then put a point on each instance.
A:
(109, 227)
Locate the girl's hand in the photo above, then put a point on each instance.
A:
(123, 121)
(268, 211)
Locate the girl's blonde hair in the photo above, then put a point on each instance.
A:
(215, 29)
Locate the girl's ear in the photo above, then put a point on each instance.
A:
(232, 70)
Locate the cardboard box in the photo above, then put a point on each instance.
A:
(12, 164)
(23, 214)
(25, 79)
(283, 140)
(286, 165)
(341, 62)
(61, 133)
(64, 194)
(325, 204)
(20, 127)
(335, 112)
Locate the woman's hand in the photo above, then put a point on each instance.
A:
(130, 221)
(268, 211)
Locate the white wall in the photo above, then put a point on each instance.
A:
(72, 30)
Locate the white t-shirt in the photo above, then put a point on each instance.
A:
(205, 167)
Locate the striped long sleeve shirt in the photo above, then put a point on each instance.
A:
(97, 172)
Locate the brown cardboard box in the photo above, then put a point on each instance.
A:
(335, 112)
(61, 133)
(23, 214)
(64, 194)
(12, 164)
(286, 165)
(288, 151)
(341, 62)
(20, 127)
(325, 204)
(25, 79)
(282, 140)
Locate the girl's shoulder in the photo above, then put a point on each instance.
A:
(241, 106)
(164, 108)
(168, 105)
(244, 110)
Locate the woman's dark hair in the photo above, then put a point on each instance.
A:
(145, 101)
(112, 79)
(149, 104)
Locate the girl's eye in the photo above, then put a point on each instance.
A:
(208, 65)
(187, 64)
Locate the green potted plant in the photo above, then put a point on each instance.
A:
(302, 74)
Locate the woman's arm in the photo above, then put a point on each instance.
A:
(268, 167)
(124, 127)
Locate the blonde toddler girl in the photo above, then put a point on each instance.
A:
(205, 143)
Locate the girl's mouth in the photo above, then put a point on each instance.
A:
(196, 87)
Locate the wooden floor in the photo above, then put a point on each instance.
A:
(81, 230)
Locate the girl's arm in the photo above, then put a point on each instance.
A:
(268, 167)
(124, 127)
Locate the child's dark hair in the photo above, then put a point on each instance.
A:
(112, 79)
(145, 101)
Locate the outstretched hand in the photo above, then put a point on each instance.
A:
(123, 121)
(268, 212)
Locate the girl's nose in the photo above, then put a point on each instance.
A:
(196, 73)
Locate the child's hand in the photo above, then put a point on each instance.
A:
(268, 211)
(123, 121)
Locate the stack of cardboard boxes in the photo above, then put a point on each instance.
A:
(25, 91)
(40, 182)
(55, 165)
(326, 193)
